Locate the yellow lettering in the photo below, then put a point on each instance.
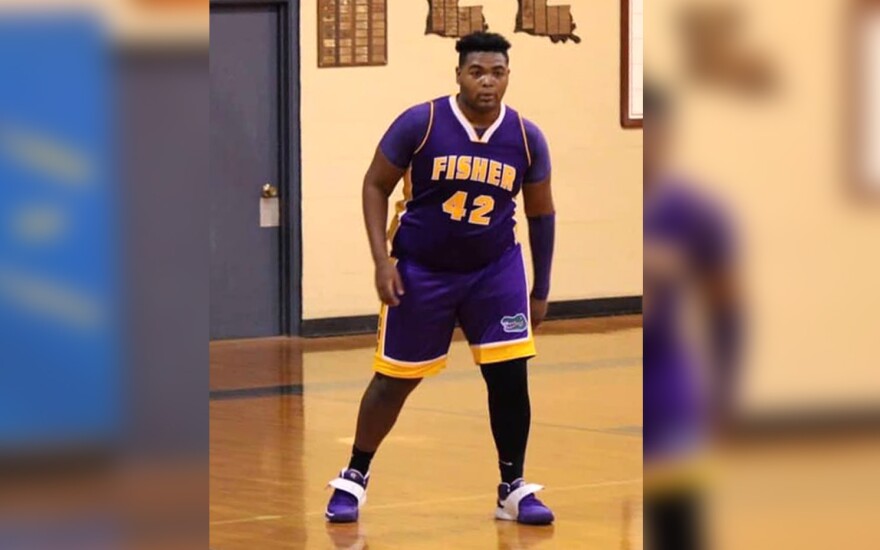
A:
(439, 166)
(464, 168)
(455, 206)
(450, 167)
(508, 176)
(478, 169)
(494, 173)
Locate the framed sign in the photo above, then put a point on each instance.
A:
(632, 62)
(865, 108)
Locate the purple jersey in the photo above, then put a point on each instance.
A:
(460, 187)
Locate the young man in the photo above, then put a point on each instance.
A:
(455, 256)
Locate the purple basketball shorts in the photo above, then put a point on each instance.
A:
(490, 304)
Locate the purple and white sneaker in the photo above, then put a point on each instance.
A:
(517, 502)
(349, 496)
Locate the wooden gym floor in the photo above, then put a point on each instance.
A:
(282, 419)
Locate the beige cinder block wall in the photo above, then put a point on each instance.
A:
(571, 91)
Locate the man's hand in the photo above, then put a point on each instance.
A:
(389, 284)
(539, 311)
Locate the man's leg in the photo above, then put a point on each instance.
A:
(495, 318)
(412, 343)
(380, 406)
(510, 417)
(509, 413)
(673, 519)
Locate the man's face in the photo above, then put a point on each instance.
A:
(483, 80)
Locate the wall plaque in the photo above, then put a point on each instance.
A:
(352, 33)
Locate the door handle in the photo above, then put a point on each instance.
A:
(269, 191)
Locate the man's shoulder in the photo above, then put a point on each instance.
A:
(412, 120)
(424, 107)
(533, 131)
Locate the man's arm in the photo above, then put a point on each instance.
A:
(716, 256)
(390, 161)
(379, 183)
(541, 215)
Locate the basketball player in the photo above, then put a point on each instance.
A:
(455, 256)
(689, 256)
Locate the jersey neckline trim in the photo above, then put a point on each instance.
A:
(468, 127)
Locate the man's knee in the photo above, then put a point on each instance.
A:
(388, 388)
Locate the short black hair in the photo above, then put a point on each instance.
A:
(481, 42)
(657, 103)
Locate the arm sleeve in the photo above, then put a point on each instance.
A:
(542, 231)
(405, 135)
(540, 154)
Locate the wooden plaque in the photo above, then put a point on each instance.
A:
(537, 18)
(447, 18)
(352, 33)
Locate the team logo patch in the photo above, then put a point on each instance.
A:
(515, 323)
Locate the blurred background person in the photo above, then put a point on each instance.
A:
(692, 333)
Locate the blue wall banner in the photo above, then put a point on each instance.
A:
(60, 371)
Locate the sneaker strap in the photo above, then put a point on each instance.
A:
(511, 503)
(350, 487)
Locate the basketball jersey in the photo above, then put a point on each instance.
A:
(460, 187)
